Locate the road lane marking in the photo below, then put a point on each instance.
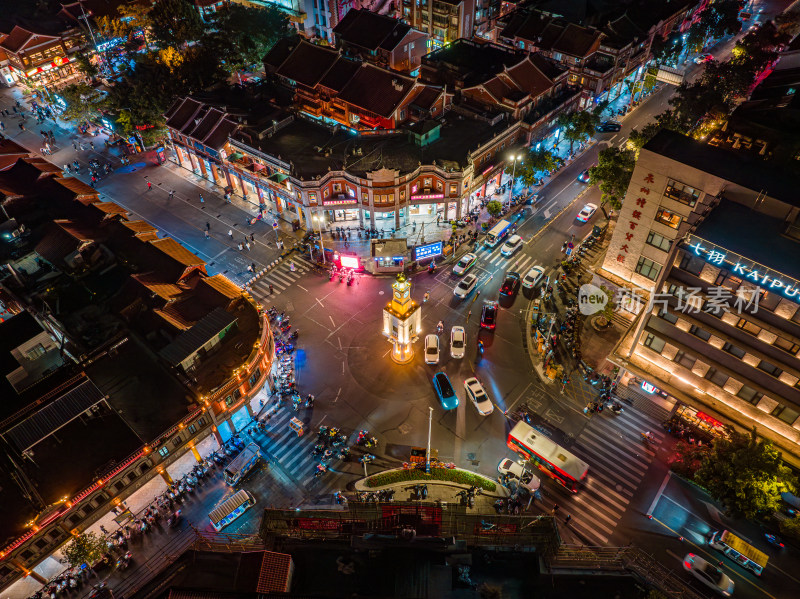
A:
(304, 289)
(319, 302)
(658, 495)
(332, 322)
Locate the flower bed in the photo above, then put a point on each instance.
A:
(450, 475)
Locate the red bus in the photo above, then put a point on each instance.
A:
(552, 459)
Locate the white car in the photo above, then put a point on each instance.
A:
(458, 342)
(533, 277)
(517, 470)
(510, 247)
(587, 213)
(431, 349)
(709, 575)
(477, 395)
(466, 262)
(465, 286)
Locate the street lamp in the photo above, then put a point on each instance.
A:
(321, 246)
(428, 449)
(514, 159)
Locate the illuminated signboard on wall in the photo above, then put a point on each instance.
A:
(748, 270)
(429, 250)
(428, 196)
(339, 202)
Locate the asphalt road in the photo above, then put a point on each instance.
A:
(344, 360)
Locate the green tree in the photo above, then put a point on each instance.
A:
(82, 101)
(608, 310)
(746, 474)
(668, 49)
(86, 548)
(175, 22)
(666, 120)
(535, 163)
(571, 127)
(242, 36)
(494, 208)
(613, 174)
(86, 66)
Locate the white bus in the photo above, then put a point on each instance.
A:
(242, 464)
(230, 509)
(565, 468)
(497, 233)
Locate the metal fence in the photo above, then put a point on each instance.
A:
(628, 560)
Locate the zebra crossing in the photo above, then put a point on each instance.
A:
(280, 277)
(618, 461)
(519, 263)
(294, 455)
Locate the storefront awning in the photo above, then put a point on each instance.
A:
(277, 177)
(236, 156)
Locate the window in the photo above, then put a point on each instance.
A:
(684, 360)
(229, 400)
(439, 186)
(655, 343)
(41, 543)
(648, 268)
(788, 415)
(748, 326)
(119, 485)
(337, 187)
(749, 394)
(34, 352)
(682, 193)
(732, 282)
(717, 377)
(733, 350)
(659, 241)
(668, 316)
(700, 333)
(192, 428)
(669, 218)
(768, 300)
(786, 345)
(176, 441)
(692, 264)
(163, 452)
(769, 368)
(453, 188)
(201, 422)
(426, 183)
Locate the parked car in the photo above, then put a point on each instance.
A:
(584, 176)
(609, 127)
(586, 213)
(458, 342)
(517, 470)
(534, 198)
(510, 284)
(709, 575)
(533, 277)
(477, 395)
(489, 314)
(431, 349)
(444, 391)
(511, 246)
(465, 286)
(466, 262)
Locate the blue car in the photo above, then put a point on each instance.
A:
(444, 391)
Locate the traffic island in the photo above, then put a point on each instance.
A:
(443, 484)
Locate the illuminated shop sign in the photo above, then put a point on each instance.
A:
(339, 202)
(748, 270)
(428, 196)
(430, 250)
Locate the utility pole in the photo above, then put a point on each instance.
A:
(428, 450)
